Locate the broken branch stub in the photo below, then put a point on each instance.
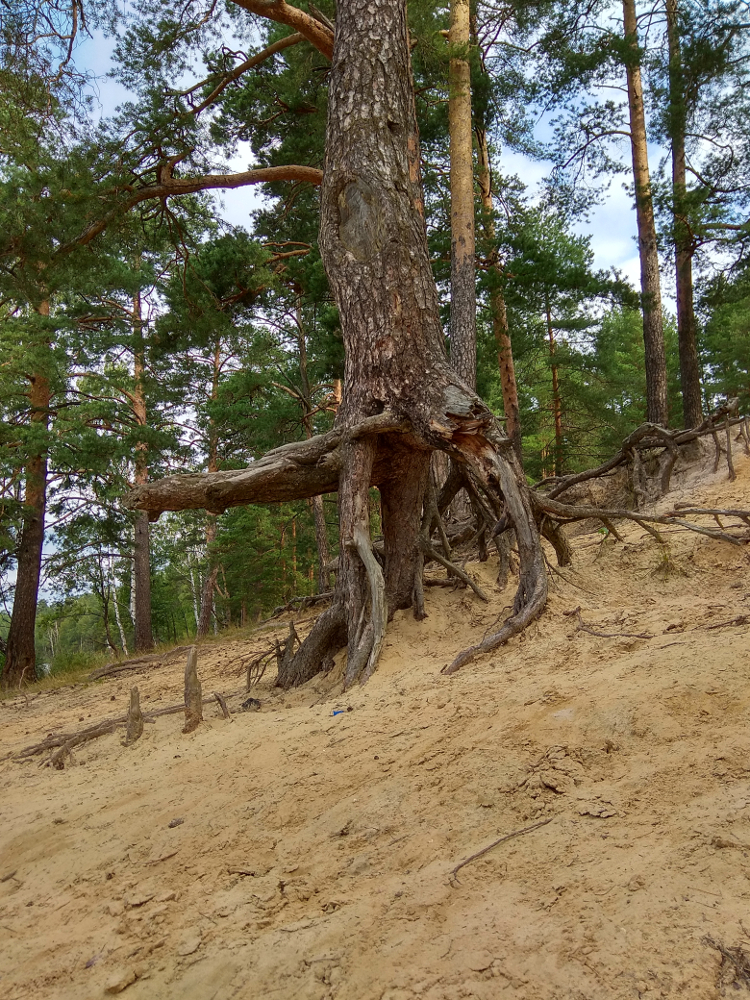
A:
(193, 695)
(134, 729)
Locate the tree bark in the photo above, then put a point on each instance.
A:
(690, 376)
(556, 401)
(143, 639)
(463, 337)
(316, 502)
(657, 405)
(401, 398)
(508, 384)
(20, 656)
(212, 570)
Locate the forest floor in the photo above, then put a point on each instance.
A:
(314, 851)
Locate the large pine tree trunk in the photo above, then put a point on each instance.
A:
(653, 334)
(20, 657)
(401, 397)
(690, 377)
(374, 247)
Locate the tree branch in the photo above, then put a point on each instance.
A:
(314, 31)
(189, 185)
(294, 471)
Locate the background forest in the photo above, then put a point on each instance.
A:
(142, 334)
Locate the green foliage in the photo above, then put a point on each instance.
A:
(725, 339)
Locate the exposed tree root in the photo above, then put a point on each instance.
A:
(568, 513)
(67, 741)
(152, 661)
(453, 569)
(648, 437)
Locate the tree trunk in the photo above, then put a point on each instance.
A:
(316, 502)
(463, 260)
(401, 398)
(653, 334)
(20, 656)
(499, 313)
(144, 639)
(690, 376)
(556, 401)
(212, 571)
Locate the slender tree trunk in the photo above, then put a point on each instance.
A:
(556, 401)
(653, 334)
(212, 572)
(118, 617)
(20, 657)
(105, 593)
(463, 255)
(316, 502)
(497, 301)
(144, 639)
(690, 376)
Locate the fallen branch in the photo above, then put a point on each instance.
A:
(137, 663)
(496, 843)
(739, 620)
(580, 512)
(93, 732)
(605, 635)
(452, 568)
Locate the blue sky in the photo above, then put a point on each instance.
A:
(611, 225)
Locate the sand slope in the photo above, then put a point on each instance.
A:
(315, 854)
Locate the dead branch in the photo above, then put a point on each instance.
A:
(223, 705)
(646, 438)
(582, 627)
(137, 663)
(496, 843)
(580, 512)
(452, 568)
(739, 620)
(93, 732)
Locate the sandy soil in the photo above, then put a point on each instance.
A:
(314, 852)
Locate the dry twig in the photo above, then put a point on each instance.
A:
(496, 843)
(582, 627)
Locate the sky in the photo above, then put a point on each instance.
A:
(610, 225)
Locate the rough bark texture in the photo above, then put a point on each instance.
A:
(463, 254)
(209, 583)
(20, 657)
(653, 333)
(212, 570)
(497, 302)
(134, 729)
(144, 639)
(193, 693)
(556, 401)
(690, 376)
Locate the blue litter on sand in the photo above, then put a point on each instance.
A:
(337, 711)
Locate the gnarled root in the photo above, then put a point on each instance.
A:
(498, 471)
